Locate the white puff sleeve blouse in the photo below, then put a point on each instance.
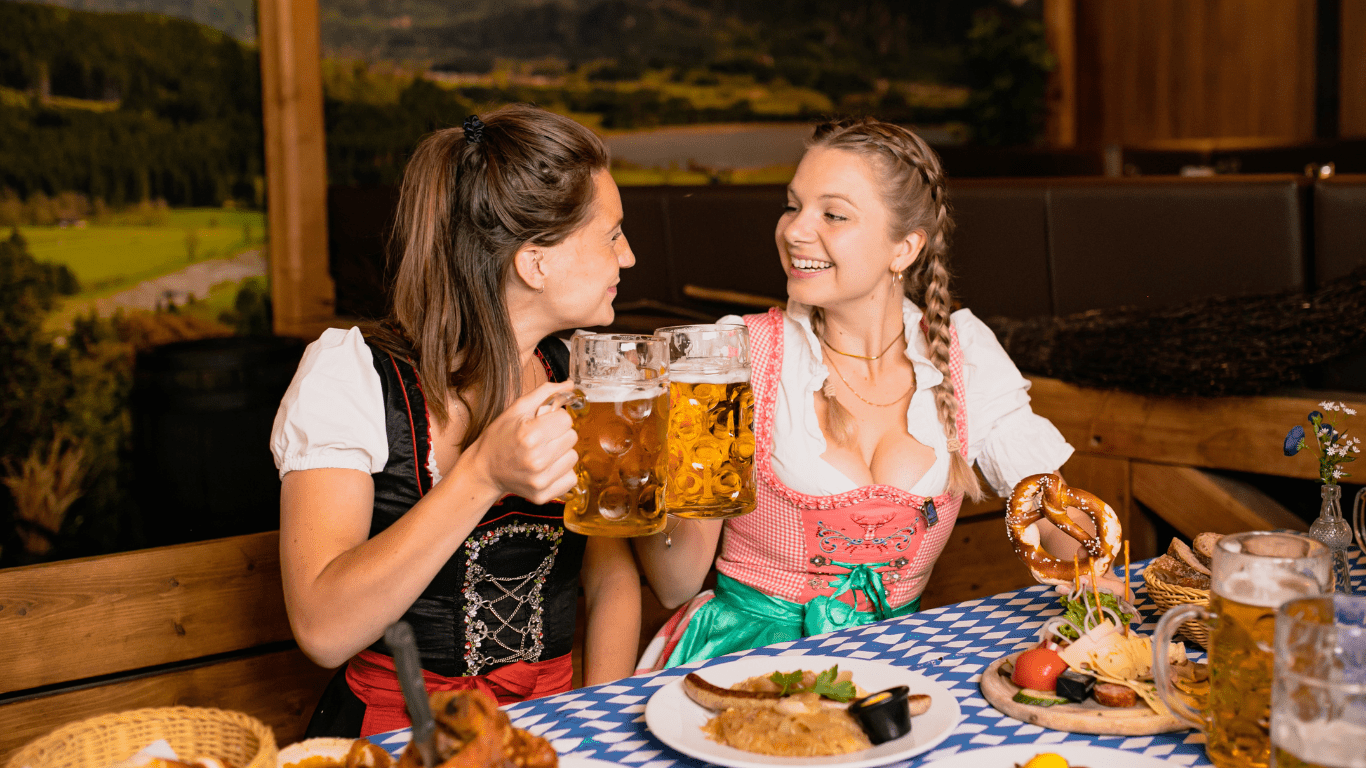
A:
(1006, 439)
(332, 415)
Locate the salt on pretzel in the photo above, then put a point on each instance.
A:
(1046, 496)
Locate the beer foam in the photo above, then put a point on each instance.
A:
(1266, 585)
(700, 372)
(620, 393)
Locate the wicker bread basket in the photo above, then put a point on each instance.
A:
(233, 737)
(1168, 596)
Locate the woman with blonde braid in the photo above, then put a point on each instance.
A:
(872, 402)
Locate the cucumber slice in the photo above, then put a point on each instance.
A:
(1038, 698)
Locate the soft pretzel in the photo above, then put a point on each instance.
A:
(1047, 497)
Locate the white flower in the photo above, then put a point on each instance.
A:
(1326, 405)
(1338, 474)
(1349, 411)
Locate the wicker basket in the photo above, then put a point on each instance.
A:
(233, 737)
(1168, 596)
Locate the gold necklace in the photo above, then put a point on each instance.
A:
(865, 357)
(831, 364)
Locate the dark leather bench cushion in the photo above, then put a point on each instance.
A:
(722, 238)
(999, 254)
(1340, 247)
(1339, 227)
(1150, 244)
(645, 222)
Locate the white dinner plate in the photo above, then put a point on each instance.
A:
(677, 721)
(1077, 755)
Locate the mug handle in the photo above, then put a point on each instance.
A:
(572, 400)
(1162, 668)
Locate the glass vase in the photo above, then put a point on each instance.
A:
(1332, 529)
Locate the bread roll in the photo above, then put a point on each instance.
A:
(1180, 551)
(1203, 547)
(1174, 571)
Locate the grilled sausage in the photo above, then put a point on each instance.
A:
(1115, 695)
(919, 703)
(718, 698)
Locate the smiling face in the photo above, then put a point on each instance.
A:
(835, 234)
(582, 271)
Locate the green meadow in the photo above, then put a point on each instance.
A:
(117, 251)
(112, 256)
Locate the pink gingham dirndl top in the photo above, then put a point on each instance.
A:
(788, 546)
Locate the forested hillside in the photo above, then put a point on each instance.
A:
(127, 107)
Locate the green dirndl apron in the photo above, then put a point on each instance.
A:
(741, 617)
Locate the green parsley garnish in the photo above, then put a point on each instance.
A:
(827, 687)
(788, 683)
(825, 684)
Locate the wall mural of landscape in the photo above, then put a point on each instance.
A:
(132, 174)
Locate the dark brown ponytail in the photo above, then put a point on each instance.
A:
(467, 204)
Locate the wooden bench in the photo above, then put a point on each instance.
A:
(198, 624)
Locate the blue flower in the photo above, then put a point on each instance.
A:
(1294, 440)
(1315, 416)
(1332, 433)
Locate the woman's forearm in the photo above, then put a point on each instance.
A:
(675, 571)
(612, 602)
(343, 588)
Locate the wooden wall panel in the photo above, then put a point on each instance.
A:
(1243, 434)
(81, 618)
(1352, 80)
(280, 689)
(1152, 70)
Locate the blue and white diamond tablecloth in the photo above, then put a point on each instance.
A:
(952, 644)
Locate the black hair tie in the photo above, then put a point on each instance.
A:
(474, 129)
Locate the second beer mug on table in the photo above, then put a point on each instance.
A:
(1318, 702)
(711, 422)
(620, 410)
(1252, 574)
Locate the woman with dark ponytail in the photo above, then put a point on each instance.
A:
(420, 461)
(872, 401)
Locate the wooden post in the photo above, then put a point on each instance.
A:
(1060, 29)
(302, 293)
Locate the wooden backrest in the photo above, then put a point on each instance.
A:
(199, 624)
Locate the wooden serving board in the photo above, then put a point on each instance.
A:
(1083, 717)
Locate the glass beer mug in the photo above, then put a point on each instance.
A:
(1318, 699)
(1251, 575)
(620, 410)
(710, 470)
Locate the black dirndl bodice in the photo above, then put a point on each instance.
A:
(509, 593)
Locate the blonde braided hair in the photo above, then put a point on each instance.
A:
(915, 192)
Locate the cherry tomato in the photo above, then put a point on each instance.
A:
(1038, 668)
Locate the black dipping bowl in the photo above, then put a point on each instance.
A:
(884, 715)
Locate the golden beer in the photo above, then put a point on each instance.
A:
(711, 445)
(1240, 682)
(621, 462)
(1252, 574)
